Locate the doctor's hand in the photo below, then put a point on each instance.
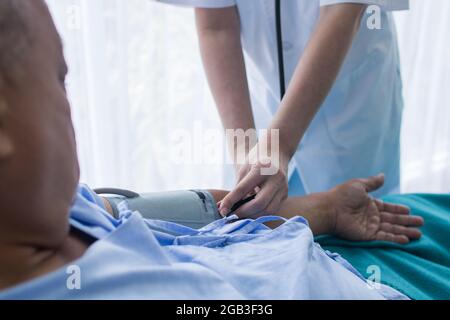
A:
(359, 217)
(266, 178)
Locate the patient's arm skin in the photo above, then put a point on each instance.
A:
(107, 205)
(317, 208)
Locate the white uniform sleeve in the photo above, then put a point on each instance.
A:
(388, 5)
(200, 3)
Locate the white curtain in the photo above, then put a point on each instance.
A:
(136, 75)
(424, 35)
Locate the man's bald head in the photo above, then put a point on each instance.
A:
(14, 36)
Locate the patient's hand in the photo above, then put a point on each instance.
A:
(359, 217)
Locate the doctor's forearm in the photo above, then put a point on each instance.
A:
(220, 44)
(316, 72)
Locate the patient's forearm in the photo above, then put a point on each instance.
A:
(108, 207)
(317, 208)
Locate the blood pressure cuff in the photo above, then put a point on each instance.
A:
(193, 208)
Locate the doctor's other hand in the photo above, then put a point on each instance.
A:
(359, 217)
(264, 178)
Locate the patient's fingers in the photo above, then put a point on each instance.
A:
(391, 207)
(411, 233)
(395, 208)
(385, 236)
(401, 219)
(373, 183)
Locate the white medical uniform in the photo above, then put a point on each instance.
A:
(356, 132)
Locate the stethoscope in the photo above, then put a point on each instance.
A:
(279, 35)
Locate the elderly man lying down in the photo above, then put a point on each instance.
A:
(59, 240)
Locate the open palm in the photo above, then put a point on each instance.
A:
(359, 217)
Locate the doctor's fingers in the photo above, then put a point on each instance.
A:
(273, 192)
(274, 206)
(242, 172)
(243, 188)
(267, 201)
(253, 209)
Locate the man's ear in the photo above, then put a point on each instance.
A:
(6, 145)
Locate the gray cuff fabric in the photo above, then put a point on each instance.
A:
(194, 208)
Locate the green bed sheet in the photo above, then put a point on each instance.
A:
(421, 269)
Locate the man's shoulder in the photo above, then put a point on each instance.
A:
(86, 193)
(88, 213)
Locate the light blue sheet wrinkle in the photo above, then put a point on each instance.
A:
(136, 258)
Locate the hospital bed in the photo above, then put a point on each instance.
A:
(420, 270)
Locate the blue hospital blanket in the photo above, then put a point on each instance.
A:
(136, 258)
(420, 269)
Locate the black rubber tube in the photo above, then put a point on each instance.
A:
(279, 29)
